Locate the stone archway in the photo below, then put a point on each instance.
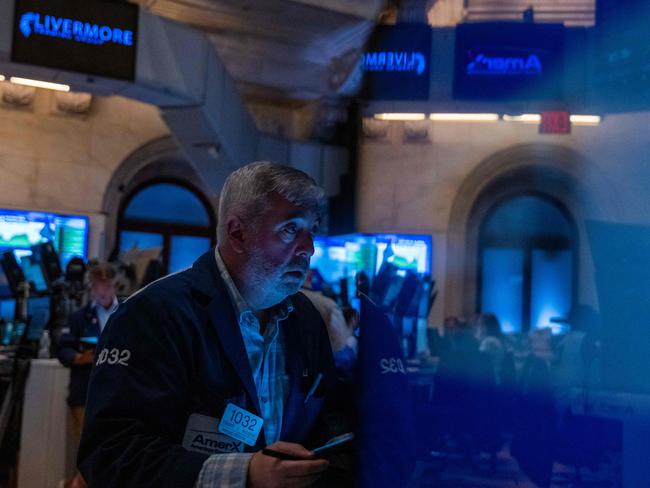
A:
(161, 158)
(558, 172)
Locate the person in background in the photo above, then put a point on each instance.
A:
(351, 318)
(488, 333)
(578, 349)
(78, 341)
(362, 284)
(540, 344)
(458, 337)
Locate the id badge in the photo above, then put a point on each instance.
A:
(202, 435)
(241, 424)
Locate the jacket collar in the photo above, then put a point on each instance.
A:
(205, 279)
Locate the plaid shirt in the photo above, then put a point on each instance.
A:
(266, 354)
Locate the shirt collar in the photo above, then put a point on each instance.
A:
(109, 310)
(279, 312)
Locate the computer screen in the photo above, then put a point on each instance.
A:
(12, 271)
(407, 252)
(12, 333)
(38, 310)
(22, 229)
(46, 256)
(33, 273)
(621, 56)
(7, 308)
(342, 257)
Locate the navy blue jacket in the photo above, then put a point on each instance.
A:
(172, 350)
(82, 323)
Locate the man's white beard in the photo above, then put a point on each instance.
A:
(264, 284)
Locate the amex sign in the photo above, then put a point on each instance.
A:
(509, 61)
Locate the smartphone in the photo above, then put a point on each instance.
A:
(333, 444)
(321, 451)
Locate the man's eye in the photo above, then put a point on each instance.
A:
(290, 230)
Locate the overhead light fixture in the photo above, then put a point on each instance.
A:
(585, 119)
(39, 84)
(525, 118)
(400, 116)
(464, 117)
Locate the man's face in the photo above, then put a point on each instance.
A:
(279, 252)
(103, 292)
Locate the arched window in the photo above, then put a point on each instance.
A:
(170, 215)
(527, 263)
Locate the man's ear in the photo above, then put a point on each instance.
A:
(235, 229)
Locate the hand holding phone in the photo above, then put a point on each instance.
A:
(333, 444)
(302, 470)
(320, 452)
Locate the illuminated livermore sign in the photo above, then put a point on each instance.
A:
(91, 37)
(394, 61)
(71, 29)
(397, 63)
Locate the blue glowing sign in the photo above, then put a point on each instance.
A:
(509, 60)
(405, 61)
(494, 63)
(397, 63)
(71, 29)
(93, 37)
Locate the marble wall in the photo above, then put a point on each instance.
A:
(56, 160)
(415, 176)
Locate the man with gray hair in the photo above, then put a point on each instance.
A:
(199, 371)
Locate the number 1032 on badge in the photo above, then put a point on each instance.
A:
(240, 424)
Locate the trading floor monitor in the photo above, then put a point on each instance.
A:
(13, 272)
(33, 272)
(38, 311)
(48, 258)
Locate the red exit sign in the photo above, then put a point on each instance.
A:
(555, 123)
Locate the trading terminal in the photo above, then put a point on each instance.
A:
(485, 165)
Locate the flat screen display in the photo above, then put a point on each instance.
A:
(406, 252)
(396, 63)
(33, 273)
(622, 55)
(20, 229)
(38, 310)
(342, 257)
(87, 36)
(509, 61)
